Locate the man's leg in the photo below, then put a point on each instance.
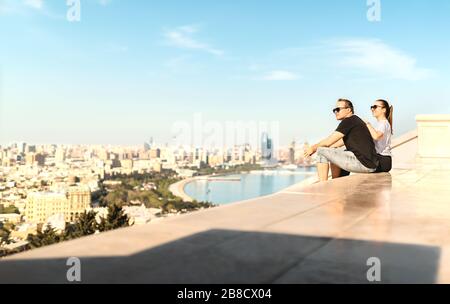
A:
(335, 171)
(322, 169)
(346, 160)
(323, 164)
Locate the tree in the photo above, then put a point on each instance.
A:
(9, 210)
(44, 183)
(115, 219)
(46, 237)
(85, 225)
(4, 235)
(116, 197)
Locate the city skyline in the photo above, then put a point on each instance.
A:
(131, 70)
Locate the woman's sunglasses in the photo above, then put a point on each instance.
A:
(374, 107)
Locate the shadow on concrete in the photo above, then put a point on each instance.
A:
(225, 256)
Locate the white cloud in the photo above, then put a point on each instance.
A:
(27, 7)
(14, 7)
(182, 37)
(280, 75)
(36, 4)
(379, 59)
(5, 8)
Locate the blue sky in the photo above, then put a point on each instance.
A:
(130, 69)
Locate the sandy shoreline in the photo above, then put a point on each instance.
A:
(177, 189)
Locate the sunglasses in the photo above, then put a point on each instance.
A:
(337, 110)
(374, 107)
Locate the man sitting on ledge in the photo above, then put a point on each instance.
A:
(359, 154)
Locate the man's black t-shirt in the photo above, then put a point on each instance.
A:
(358, 140)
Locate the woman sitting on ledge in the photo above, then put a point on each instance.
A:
(381, 133)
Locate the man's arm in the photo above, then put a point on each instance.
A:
(328, 142)
(338, 144)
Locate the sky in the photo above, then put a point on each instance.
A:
(129, 70)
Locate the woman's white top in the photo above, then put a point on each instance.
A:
(383, 145)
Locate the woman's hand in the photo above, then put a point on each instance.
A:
(376, 135)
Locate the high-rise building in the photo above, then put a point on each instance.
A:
(7, 162)
(151, 142)
(31, 149)
(21, 147)
(144, 155)
(103, 154)
(40, 206)
(30, 159)
(60, 155)
(126, 164)
(155, 153)
(40, 159)
(157, 166)
(249, 157)
(266, 147)
(292, 153)
(146, 147)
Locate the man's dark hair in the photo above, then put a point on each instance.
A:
(348, 104)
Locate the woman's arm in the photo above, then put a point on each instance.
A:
(376, 135)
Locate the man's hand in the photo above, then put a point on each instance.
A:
(310, 151)
(328, 142)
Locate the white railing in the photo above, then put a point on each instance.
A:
(434, 136)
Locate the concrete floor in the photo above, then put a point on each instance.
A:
(321, 233)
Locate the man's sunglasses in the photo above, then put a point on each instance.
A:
(374, 107)
(337, 110)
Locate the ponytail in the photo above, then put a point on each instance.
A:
(389, 113)
(391, 117)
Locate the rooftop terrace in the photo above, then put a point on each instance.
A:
(319, 233)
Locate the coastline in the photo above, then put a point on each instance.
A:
(177, 189)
